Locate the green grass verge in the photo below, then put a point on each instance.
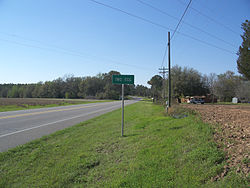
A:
(157, 151)
(5, 108)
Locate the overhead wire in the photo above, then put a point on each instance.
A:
(165, 52)
(132, 15)
(211, 19)
(161, 26)
(180, 19)
(68, 52)
(184, 22)
(79, 54)
(38, 41)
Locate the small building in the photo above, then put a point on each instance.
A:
(235, 100)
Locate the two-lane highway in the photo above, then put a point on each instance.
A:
(19, 127)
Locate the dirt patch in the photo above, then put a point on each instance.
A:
(232, 125)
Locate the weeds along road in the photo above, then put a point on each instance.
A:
(19, 127)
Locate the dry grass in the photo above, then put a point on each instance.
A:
(10, 104)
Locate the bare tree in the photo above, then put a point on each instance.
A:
(225, 86)
(211, 81)
(243, 91)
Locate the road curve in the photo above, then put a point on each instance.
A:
(20, 127)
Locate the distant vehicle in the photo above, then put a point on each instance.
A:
(197, 101)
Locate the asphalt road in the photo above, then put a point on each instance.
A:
(19, 127)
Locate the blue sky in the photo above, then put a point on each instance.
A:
(42, 40)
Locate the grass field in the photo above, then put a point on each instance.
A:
(157, 151)
(11, 104)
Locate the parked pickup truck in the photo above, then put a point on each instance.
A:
(197, 101)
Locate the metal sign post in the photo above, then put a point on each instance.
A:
(122, 108)
(121, 80)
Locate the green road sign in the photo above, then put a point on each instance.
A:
(123, 79)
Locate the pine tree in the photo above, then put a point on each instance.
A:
(243, 62)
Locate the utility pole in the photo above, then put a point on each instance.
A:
(169, 73)
(164, 71)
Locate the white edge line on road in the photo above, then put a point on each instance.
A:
(8, 134)
(48, 111)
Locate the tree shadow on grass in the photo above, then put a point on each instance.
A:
(176, 128)
(130, 135)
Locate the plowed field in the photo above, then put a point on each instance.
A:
(232, 132)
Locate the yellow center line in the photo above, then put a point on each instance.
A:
(44, 112)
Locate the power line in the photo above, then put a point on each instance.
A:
(211, 19)
(157, 9)
(75, 53)
(207, 43)
(168, 47)
(161, 26)
(69, 53)
(164, 56)
(132, 15)
(181, 19)
(41, 42)
(184, 22)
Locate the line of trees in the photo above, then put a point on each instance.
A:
(228, 85)
(185, 82)
(189, 82)
(99, 87)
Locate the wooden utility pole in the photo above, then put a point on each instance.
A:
(169, 73)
